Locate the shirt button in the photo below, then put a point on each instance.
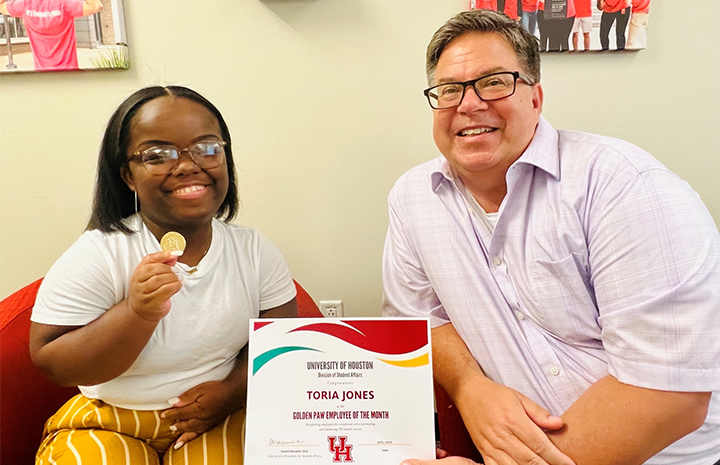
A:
(554, 371)
(497, 261)
(520, 315)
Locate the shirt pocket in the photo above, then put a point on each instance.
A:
(563, 301)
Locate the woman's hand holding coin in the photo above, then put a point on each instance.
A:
(154, 282)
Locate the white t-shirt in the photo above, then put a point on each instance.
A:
(489, 220)
(242, 274)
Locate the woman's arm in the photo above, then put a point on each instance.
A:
(287, 310)
(106, 347)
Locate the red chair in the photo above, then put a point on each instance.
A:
(454, 437)
(28, 399)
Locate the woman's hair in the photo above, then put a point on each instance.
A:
(113, 200)
(524, 44)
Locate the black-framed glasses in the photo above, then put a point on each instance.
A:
(163, 159)
(488, 88)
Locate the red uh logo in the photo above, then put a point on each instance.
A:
(343, 449)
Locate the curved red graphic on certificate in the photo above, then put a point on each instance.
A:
(260, 324)
(390, 337)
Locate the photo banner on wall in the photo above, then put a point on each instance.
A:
(62, 35)
(578, 25)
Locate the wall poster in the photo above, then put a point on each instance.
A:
(578, 25)
(62, 35)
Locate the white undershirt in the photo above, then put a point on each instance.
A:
(488, 219)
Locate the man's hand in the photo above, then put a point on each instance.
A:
(508, 427)
(445, 461)
(152, 284)
(441, 454)
(200, 409)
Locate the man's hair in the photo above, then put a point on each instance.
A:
(524, 44)
(113, 200)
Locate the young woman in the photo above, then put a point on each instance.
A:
(156, 342)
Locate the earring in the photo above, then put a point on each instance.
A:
(136, 203)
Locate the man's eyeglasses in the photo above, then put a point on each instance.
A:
(163, 159)
(490, 87)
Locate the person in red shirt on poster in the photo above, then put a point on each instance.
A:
(555, 20)
(637, 30)
(51, 28)
(528, 17)
(483, 5)
(613, 10)
(583, 20)
(509, 7)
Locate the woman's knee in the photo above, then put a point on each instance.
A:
(95, 446)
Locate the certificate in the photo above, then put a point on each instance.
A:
(350, 390)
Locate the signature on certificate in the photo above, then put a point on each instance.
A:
(284, 442)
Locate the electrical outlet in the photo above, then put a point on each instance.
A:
(331, 308)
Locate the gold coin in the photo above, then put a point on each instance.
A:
(172, 241)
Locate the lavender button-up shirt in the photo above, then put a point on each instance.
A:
(602, 261)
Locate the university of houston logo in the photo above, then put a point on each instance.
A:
(341, 449)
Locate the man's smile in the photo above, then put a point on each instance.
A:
(475, 131)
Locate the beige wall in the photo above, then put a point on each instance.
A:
(323, 98)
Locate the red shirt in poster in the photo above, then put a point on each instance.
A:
(529, 6)
(611, 6)
(51, 30)
(583, 8)
(641, 6)
(570, 9)
(511, 9)
(483, 5)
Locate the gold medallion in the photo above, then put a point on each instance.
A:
(173, 241)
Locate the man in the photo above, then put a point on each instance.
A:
(51, 28)
(572, 281)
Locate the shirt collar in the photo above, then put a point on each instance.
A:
(442, 172)
(542, 153)
(543, 150)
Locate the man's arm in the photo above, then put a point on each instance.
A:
(3, 8)
(655, 276)
(90, 7)
(621, 424)
(503, 423)
(611, 422)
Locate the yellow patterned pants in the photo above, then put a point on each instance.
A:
(91, 432)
